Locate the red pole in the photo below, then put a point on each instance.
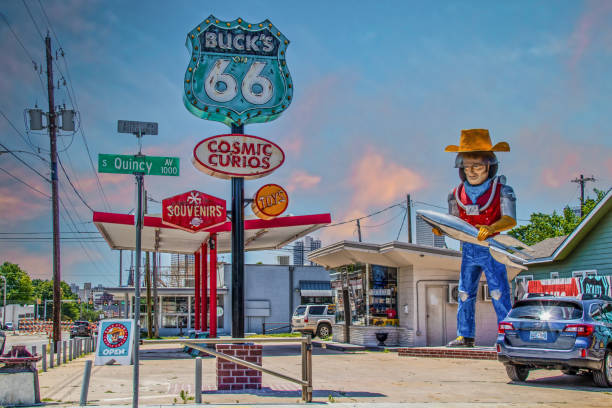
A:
(196, 272)
(213, 285)
(204, 295)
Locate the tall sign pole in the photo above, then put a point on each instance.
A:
(237, 250)
(237, 74)
(57, 330)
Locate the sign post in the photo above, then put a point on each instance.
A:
(237, 74)
(139, 165)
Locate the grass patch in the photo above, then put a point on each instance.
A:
(275, 335)
(47, 400)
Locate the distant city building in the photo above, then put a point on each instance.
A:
(74, 288)
(302, 248)
(425, 235)
(283, 260)
(298, 253)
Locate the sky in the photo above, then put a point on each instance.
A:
(379, 91)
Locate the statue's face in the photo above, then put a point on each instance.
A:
(476, 170)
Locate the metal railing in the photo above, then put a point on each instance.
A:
(306, 352)
(266, 329)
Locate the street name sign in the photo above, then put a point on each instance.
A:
(237, 155)
(148, 165)
(137, 128)
(193, 211)
(237, 72)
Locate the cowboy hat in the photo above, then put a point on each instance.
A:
(477, 140)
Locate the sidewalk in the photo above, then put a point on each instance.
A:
(357, 379)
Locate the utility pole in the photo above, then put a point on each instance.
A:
(359, 229)
(57, 333)
(409, 218)
(582, 181)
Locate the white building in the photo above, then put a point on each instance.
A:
(403, 289)
(425, 235)
(16, 312)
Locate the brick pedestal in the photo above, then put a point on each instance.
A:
(231, 376)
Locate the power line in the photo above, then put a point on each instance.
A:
(24, 49)
(402, 226)
(33, 21)
(72, 185)
(364, 217)
(26, 164)
(24, 183)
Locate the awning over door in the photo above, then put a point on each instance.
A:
(315, 288)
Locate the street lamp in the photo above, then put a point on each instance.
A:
(4, 303)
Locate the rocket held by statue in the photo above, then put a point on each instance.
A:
(504, 248)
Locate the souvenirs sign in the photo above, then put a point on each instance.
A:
(237, 155)
(193, 211)
(237, 72)
(270, 201)
(115, 342)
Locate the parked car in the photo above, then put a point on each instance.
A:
(314, 319)
(2, 342)
(80, 328)
(9, 326)
(558, 333)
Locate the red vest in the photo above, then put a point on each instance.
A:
(487, 216)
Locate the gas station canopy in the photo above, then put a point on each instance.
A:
(120, 233)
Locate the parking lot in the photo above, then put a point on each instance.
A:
(364, 377)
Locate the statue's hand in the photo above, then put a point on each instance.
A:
(437, 231)
(484, 231)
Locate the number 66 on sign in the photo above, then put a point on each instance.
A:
(237, 72)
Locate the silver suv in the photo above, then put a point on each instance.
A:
(314, 319)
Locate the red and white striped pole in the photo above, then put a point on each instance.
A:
(204, 286)
(196, 272)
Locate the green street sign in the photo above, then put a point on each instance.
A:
(237, 72)
(149, 165)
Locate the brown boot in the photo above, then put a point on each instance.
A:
(461, 341)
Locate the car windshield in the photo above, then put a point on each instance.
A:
(301, 310)
(546, 310)
(81, 323)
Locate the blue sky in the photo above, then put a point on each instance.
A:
(379, 92)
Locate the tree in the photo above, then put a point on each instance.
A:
(18, 284)
(542, 226)
(43, 290)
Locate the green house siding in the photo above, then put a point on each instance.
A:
(593, 252)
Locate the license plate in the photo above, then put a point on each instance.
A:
(537, 335)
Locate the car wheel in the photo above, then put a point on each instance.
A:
(517, 373)
(324, 330)
(603, 377)
(570, 371)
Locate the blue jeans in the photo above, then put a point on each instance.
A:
(476, 259)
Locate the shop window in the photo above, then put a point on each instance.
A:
(554, 275)
(382, 296)
(372, 294)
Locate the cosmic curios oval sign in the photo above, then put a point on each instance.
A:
(237, 155)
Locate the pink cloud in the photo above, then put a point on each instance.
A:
(590, 24)
(18, 202)
(38, 263)
(301, 180)
(377, 180)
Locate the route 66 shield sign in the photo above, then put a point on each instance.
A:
(237, 72)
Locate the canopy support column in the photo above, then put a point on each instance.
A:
(204, 285)
(196, 273)
(213, 285)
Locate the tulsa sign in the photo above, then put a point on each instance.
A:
(237, 155)
(237, 72)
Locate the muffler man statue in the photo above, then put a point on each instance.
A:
(485, 201)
